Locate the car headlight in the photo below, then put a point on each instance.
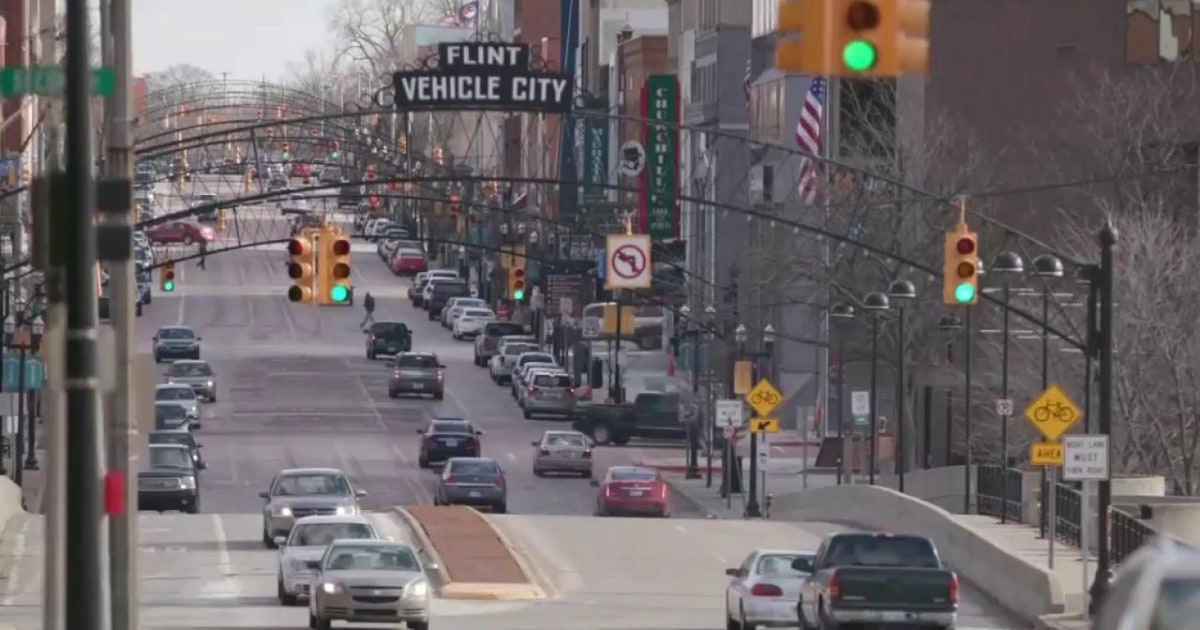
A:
(283, 511)
(346, 510)
(331, 587)
(420, 588)
(209, 384)
(187, 483)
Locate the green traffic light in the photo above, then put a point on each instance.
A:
(859, 56)
(964, 293)
(518, 295)
(168, 286)
(339, 294)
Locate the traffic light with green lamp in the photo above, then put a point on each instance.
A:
(166, 278)
(516, 280)
(301, 269)
(960, 273)
(334, 261)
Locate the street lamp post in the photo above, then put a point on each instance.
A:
(732, 469)
(1104, 289)
(900, 291)
(24, 335)
(693, 458)
(842, 315)
(710, 317)
(1047, 267)
(753, 507)
(1006, 263)
(950, 325)
(876, 304)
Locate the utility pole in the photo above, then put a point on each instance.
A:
(87, 525)
(116, 199)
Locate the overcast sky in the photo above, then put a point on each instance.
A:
(246, 38)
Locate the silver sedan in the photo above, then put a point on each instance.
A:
(370, 581)
(563, 451)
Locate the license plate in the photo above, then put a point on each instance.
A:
(636, 493)
(451, 442)
(475, 495)
(418, 386)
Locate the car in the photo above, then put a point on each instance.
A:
(144, 295)
(549, 393)
(375, 228)
(487, 342)
(417, 373)
(500, 367)
(185, 232)
(387, 339)
(763, 591)
(295, 204)
(446, 438)
(473, 481)
(525, 362)
(167, 480)
(277, 181)
(201, 200)
(171, 416)
(632, 490)
(176, 342)
(300, 169)
(471, 322)
(299, 492)
(332, 174)
(370, 581)
(301, 551)
(182, 395)
(144, 178)
(1155, 588)
(406, 260)
(384, 248)
(196, 374)
(563, 452)
(181, 437)
(415, 288)
(530, 374)
(454, 307)
(443, 290)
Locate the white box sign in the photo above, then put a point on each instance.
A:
(1085, 458)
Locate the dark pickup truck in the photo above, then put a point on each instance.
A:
(876, 580)
(650, 415)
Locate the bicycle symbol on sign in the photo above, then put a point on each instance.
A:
(1054, 410)
(765, 398)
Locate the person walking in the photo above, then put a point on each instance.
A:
(203, 254)
(369, 307)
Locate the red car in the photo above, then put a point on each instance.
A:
(185, 232)
(409, 261)
(300, 169)
(633, 491)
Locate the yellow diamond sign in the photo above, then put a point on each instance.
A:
(1053, 413)
(764, 398)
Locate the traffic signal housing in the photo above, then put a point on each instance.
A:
(804, 28)
(864, 37)
(166, 278)
(301, 269)
(516, 280)
(960, 274)
(912, 41)
(853, 38)
(455, 206)
(334, 260)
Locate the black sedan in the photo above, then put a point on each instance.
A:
(167, 480)
(446, 438)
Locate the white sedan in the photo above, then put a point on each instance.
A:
(765, 589)
(295, 204)
(300, 550)
(456, 306)
(472, 321)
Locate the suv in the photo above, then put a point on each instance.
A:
(387, 338)
(486, 342)
(442, 291)
(206, 199)
(417, 373)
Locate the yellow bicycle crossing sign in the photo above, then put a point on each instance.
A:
(1053, 413)
(764, 398)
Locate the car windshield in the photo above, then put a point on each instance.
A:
(322, 534)
(1178, 604)
(310, 484)
(566, 440)
(503, 329)
(540, 357)
(182, 438)
(416, 361)
(176, 333)
(390, 330)
(474, 467)
(205, 198)
(633, 474)
(174, 393)
(168, 413)
(371, 558)
(514, 349)
(552, 380)
(170, 458)
(186, 369)
(465, 303)
(883, 551)
(477, 312)
(780, 564)
(450, 427)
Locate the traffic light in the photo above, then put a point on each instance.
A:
(960, 274)
(166, 278)
(516, 280)
(335, 268)
(333, 157)
(373, 202)
(804, 30)
(455, 208)
(860, 37)
(912, 43)
(301, 269)
(285, 157)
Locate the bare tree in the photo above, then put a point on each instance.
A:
(180, 83)
(370, 32)
(318, 73)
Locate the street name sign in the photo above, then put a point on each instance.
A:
(50, 81)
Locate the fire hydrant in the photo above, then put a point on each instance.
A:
(768, 501)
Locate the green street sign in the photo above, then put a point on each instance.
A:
(50, 81)
(660, 180)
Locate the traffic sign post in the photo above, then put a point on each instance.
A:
(764, 399)
(1086, 460)
(627, 262)
(860, 403)
(1004, 407)
(729, 413)
(1053, 413)
(764, 425)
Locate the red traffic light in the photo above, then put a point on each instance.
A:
(965, 246)
(374, 202)
(862, 16)
(296, 247)
(340, 247)
(966, 270)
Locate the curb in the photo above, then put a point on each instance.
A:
(1068, 621)
(450, 589)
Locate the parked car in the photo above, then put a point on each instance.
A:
(549, 393)
(500, 366)
(632, 491)
(182, 395)
(181, 437)
(455, 306)
(185, 232)
(487, 342)
(474, 481)
(471, 322)
(407, 260)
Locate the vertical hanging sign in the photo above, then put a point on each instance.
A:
(660, 136)
(595, 159)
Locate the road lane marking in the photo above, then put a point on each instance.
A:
(371, 401)
(681, 529)
(249, 303)
(224, 564)
(511, 457)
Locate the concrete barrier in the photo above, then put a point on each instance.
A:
(1021, 587)
(10, 501)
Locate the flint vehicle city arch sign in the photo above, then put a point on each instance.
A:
(482, 76)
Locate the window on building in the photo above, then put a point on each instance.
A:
(709, 13)
(764, 17)
(1159, 30)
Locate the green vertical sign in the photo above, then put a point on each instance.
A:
(595, 159)
(660, 136)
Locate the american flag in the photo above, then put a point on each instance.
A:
(746, 83)
(808, 137)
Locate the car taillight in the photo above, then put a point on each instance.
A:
(953, 589)
(571, 392)
(662, 490)
(766, 590)
(587, 454)
(607, 491)
(500, 482)
(544, 451)
(372, 337)
(441, 375)
(532, 389)
(450, 481)
(396, 374)
(835, 588)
